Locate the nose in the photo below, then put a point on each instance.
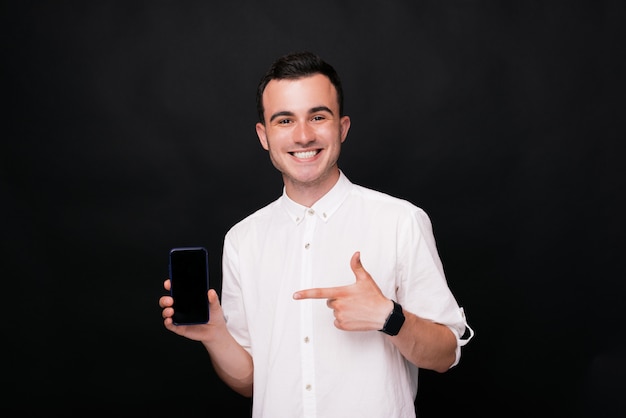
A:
(304, 133)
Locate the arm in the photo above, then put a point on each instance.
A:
(232, 363)
(425, 343)
(363, 307)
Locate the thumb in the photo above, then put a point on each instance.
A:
(356, 265)
(214, 300)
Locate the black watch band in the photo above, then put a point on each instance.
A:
(394, 320)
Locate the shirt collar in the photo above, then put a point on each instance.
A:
(324, 207)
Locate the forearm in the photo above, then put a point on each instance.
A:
(426, 344)
(232, 363)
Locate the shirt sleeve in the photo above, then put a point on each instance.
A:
(232, 299)
(422, 284)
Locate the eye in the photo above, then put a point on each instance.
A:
(318, 118)
(284, 121)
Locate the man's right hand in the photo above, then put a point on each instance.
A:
(200, 332)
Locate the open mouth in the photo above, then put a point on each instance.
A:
(305, 154)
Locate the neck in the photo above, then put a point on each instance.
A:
(307, 193)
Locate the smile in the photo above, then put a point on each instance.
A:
(304, 154)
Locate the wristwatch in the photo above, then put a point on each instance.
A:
(394, 320)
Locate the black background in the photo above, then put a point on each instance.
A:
(128, 129)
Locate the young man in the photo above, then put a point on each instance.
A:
(333, 295)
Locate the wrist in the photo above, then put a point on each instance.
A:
(394, 320)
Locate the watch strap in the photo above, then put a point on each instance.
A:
(394, 320)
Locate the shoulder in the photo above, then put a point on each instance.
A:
(258, 217)
(376, 198)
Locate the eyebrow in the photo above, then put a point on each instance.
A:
(321, 109)
(312, 110)
(278, 114)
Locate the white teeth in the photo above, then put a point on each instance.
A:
(304, 154)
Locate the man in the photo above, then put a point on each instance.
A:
(333, 295)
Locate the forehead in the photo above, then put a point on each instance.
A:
(300, 94)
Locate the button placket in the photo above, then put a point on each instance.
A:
(306, 317)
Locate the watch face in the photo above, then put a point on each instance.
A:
(395, 320)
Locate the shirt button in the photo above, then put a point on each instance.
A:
(308, 387)
(311, 211)
(306, 340)
(307, 245)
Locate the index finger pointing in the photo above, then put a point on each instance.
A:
(318, 293)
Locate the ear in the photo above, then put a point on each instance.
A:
(345, 127)
(260, 132)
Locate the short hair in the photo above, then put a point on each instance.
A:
(297, 65)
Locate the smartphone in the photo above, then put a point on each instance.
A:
(189, 276)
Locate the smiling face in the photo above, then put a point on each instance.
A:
(303, 133)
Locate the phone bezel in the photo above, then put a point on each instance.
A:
(193, 313)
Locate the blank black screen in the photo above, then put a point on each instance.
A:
(190, 282)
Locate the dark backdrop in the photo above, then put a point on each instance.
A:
(128, 129)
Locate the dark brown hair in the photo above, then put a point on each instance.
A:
(297, 65)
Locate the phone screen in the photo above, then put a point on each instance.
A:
(189, 275)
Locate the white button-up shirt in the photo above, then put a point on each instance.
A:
(303, 365)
